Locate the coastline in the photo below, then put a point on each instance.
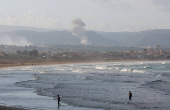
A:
(16, 64)
(4, 107)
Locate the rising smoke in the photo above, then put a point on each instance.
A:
(79, 30)
(8, 40)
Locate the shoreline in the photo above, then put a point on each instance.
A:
(16, 64)
(5, 107)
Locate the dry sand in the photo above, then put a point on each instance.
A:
(7, 65)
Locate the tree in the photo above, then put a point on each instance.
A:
(4, 54)
(25, 52)
(34, 52)
(30, 53)
(18, 52)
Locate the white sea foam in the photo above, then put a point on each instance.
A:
(42, 72)
(60, 69)
(126, 70)
(116, 68)
(77, 71)
(138, 71)
(165, 62)
(100, 67)
(119, 64)
(146, 67)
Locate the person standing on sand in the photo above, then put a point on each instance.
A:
(130, 95)
(58, 100)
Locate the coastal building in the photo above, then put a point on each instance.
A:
(158, 48)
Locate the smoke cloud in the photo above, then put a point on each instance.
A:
(19, 41)
(79, 30)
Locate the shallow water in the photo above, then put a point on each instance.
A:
(88, 86)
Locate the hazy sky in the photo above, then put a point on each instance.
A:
(99, 15)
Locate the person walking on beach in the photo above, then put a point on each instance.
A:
(59, 101)
(130, 95)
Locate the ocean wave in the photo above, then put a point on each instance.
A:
(60, 69)
(25, 69)
(165, 74)
(138, 71)
(77, 71)
(165, 62)
(147, 67)
(35, 76)
(162, 77)
(159, 85)
(39, 71)
(132, 70)
(125, 70)
(81, 77)
(119, 64)
(100, 67)
(129, 64)
(168, 66)
(116, 68)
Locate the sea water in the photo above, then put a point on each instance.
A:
(90, 86)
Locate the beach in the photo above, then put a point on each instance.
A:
(28, 63)
(87, 86)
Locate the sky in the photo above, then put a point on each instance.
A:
(98, 15)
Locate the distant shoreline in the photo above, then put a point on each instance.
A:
(16, 64)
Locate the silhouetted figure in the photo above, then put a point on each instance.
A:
(130, 94)
(58, 100)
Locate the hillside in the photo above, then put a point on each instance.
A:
(14, 35)
(56, 37)
(143, 38)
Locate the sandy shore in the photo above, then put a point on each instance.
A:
(7, 65)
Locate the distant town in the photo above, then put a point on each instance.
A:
(31, 53)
